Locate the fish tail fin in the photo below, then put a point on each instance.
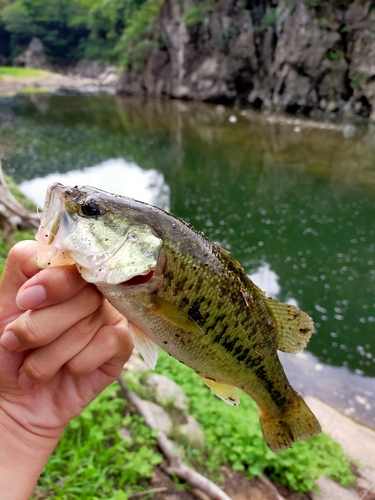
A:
(294, 422)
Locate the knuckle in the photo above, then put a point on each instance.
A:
(74, 367)
(26, 331)
(36, 369)
(84, 328)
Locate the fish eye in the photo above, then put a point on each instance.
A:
(90, 208)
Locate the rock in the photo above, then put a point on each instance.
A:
(349, 130)
(166, 390)
(357, 441)
(109, 76)
(295, 64)
(193, 432)
(136, 364)
(161, 419)
(332, 491)
(33, 57)
(87, 68)
(125, 434)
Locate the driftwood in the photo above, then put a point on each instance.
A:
(13, 215)
(173, 454)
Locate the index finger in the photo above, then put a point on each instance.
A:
(19, 267)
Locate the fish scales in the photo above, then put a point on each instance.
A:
(230, 328)
(184, 293)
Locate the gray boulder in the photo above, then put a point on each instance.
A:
(33, 57)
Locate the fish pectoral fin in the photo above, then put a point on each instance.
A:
(293, 326)
(147, 348)
(176, 316)
(227, 393)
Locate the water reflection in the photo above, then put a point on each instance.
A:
(353, 394)
(114, 175)
(296, 209)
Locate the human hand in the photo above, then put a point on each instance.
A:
(62, 343)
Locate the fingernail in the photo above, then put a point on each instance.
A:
(24, 382)
(9, 341)
(31, 297)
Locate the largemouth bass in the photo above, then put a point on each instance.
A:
(183, 293)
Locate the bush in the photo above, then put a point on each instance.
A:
(196, 15)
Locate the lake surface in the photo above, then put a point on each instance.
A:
(293, 202)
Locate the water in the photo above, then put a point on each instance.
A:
(295, 205)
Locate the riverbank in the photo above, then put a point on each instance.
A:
(48, 81)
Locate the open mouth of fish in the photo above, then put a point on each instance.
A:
(59, 244)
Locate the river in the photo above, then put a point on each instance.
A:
(293, 201)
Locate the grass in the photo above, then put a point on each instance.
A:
(93, 460)
(35, 90)
(16, 72)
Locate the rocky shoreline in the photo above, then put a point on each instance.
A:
(104, 79)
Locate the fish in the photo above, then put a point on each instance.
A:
(184, 293)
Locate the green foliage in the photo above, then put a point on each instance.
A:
(21, 72)
(227, 35)
(324, 24)
(93, 461)
(45, 19)
(355, 81)
(271, 18)
(134, 49)
(197, 14)
(73, 29)
(313, 3)
(233, 436)
(335, 55)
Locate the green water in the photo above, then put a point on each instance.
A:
(296, 206)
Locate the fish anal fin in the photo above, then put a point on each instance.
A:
(226, 392)
(293, 326)
(293, 423)
(176, 316)
(143, 343)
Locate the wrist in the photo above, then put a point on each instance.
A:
(23, 455)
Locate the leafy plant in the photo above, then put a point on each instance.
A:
(233, 436)
(355, 81)
(335, 55)
(324, 24)
(92, 460)
(197, 14)
(137, 28)
(271, 18)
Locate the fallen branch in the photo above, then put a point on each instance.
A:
(147, 492)
(173, 454)
(13, 215)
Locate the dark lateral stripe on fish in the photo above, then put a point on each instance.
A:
(275, 394)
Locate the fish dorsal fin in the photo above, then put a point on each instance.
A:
(174, 315)
(147, 348)
(227, 393)
(293, 326)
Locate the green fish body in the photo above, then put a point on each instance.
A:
(183, 293)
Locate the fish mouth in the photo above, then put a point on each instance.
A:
(139, 279)
(54, 218)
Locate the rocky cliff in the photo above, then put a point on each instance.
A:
(301, 56)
